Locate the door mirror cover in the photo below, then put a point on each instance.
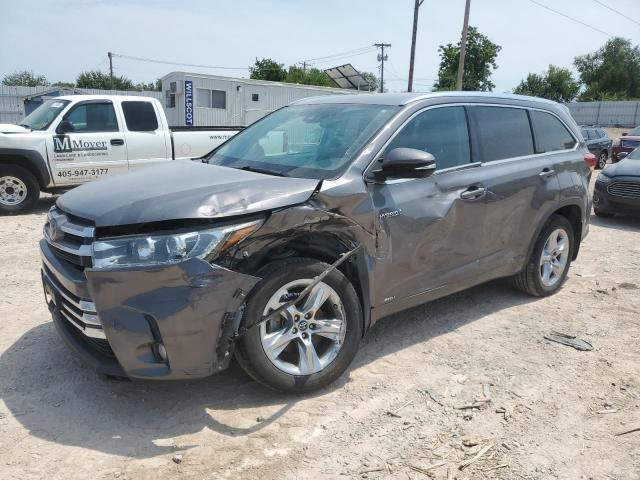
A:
(622, 155)
(408, 163)
(65, 126)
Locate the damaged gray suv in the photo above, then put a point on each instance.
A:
(288, 242)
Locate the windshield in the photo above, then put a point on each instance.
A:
(635, 155)
(308, 141)
(41, 117)
(635, 132)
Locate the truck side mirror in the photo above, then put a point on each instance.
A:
(65, 126)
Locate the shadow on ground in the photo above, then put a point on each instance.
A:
(618, 222)
(57, 399)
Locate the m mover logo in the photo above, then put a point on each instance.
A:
(64, 144)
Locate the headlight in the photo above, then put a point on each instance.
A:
(603, 178)
(167, 249)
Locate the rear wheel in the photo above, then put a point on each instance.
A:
(602, 159)
(19, 190)
(308, 345)
(549, 262)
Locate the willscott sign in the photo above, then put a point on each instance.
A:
(188, 102)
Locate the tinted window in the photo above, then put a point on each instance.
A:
(593, 134)
(551, 134)
(585, 134)
(218, 99)
(440, 131)
(140, 116)
(601, 132)
(93, 117)
(503, 132)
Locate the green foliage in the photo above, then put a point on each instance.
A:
(612, 72)
(268, 69)
(24, 78)
(480, 61)
(151, 86)
(372, 80)
(555, 84)
(102, 80)
(63, 84)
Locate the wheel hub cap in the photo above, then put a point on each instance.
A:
(555, 255)
(305, 338)
(13, 191)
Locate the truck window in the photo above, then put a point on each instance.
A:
(442, 132)
(503, 132)
(92, 117)
(44, 115)
(139, 116)
(551, 135)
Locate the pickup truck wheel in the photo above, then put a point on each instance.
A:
(19, 190)
(308, 345)
(602, 159)
(549, 262)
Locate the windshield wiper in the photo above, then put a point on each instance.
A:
(25, 126)
(261, 170)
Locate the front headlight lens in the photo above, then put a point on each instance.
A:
(167, 249)
(603, 178)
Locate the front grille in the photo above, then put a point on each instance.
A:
(78, 312)
(69, 237)
(624, 189)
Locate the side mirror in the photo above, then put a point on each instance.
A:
(406, 163)
(622, 155)
(65, 126)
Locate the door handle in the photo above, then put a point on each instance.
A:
(473, 193)
(117, 141)
(547, 172)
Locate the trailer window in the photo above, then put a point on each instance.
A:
(206, 98)
(140, 116)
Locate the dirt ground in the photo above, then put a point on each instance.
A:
(546, 411)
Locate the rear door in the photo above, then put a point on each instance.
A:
(146, 138)
(94, 149)
(430, 230)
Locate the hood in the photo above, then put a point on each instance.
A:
(11, 128)
(628, 167)
(182, 190)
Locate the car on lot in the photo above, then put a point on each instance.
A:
(626, 144)
(598, 143)
(617, 188)
(285, 257)
(71, 140)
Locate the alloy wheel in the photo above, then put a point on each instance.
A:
(602, 160)
(305, 338)
(554, 258)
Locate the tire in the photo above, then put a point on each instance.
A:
(602, 159)
(251, 352)
(602, 213)
(19, 189)
(530, 279)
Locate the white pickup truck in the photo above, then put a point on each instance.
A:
(75, 139)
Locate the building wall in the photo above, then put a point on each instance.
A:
(241, 109)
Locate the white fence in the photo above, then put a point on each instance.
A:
(606, 114)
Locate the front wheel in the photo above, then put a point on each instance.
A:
(549, 262)
(19, 190)
(310, 344)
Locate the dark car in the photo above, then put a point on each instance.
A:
(298, 234)
(626, 144)
(598, 143)
(617, 188)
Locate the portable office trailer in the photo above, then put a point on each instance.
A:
(193, 99)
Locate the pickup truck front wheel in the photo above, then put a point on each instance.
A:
(310, 344)
(19, 190)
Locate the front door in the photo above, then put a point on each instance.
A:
(93, 149)
(430, 230)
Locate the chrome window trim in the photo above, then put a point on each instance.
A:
(473, 164)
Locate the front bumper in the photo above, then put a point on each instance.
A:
(608, 202)
(189, 308)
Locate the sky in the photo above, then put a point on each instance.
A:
(61, 38)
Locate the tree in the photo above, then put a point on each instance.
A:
(63, 84)
(372, 80)
(480, 61)
(612, 72)
(151, 86)
(268, 69)
(24, 78)
(555, 84)
(101, 80)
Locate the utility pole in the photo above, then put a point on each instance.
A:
(463, 45)
(110, 69)
(381, 58)
(416, 8)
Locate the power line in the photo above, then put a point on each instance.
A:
(570, 18)
(342, 54)
(617, 11)
(165, 62)
(342, 58)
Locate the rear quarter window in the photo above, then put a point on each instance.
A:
(502, 132)
(550, 133)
